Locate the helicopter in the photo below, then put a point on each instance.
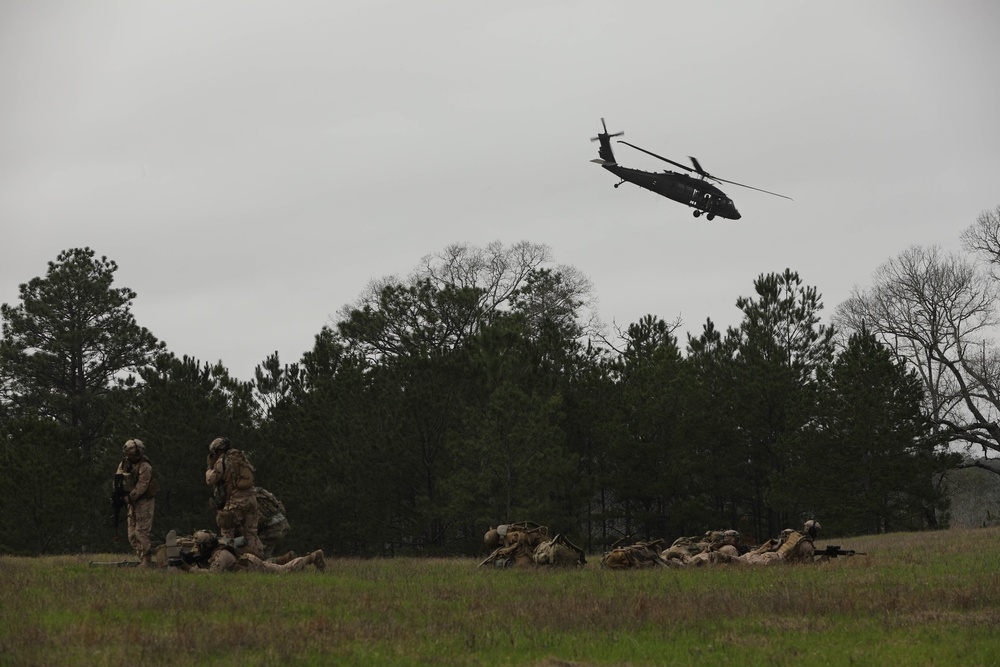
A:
(698, 193)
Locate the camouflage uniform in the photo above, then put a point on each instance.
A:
(635, 556)
(560, 552)
(273, 526)
(239, 514)
(212, 556)
(527, 544)
(789, 547)
(138, 482)
(684, 550)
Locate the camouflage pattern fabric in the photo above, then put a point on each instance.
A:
(240, 515)
(560, 552)
(272, 526)
(634, 556)
(527, 544)
(138, 481)
(685, 548)
(140, 524)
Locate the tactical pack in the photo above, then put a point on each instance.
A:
(272, 510)
(243, 473)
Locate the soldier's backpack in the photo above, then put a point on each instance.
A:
(791, 549)
(243, 475)
(559, 551)
(272, 510)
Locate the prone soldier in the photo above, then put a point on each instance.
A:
(634, 556)
(526, 544)
(206, 552)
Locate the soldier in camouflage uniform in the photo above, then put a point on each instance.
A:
(527, 544)
(272, 526)
(560, 552)
(514, 544)
(634, 556)
(231, 476)
(212, 555)
(684, 550)
(789, 547)
(138, 483)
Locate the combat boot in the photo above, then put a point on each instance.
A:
(284, 558)
(148, 559)
(317, 559)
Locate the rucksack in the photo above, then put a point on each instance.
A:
(270, 508)
(242, 475)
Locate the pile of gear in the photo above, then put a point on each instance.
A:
(718, 547)
(527, 544)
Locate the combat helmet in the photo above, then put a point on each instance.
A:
(218, 445)
(134, 446)
(205, 542)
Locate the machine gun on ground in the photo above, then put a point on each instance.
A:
(832, 551)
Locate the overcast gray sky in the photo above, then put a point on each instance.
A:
(251, 166)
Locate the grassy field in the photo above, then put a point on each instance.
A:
(916, 599)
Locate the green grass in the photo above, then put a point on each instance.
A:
(917, 599)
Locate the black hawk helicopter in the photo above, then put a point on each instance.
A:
(697, 193)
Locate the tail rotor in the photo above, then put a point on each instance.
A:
(605, 153)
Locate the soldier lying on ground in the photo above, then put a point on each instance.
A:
(212, 555)
(789, 547)
(634, 556)
(507, 534)
(527, 544)
(684, 549)
(206, 552)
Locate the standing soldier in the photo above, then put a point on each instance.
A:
(138, 483)
(231, 475)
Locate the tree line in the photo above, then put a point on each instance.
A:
(480, 390)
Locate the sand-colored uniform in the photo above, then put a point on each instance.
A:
(240, 514)
(137, 480)
(224, 559)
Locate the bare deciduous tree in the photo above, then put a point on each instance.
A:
(497, 274)
(936, 310)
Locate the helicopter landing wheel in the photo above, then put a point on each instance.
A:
(710, 216)
(696, 213)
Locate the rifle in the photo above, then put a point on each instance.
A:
(119, 497)
(115, 563)
(832, 551)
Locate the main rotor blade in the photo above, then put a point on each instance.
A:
(751, 187)
(676, 164)
(697, 166)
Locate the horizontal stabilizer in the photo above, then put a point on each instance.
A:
(602, 162)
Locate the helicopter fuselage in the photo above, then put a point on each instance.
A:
(697, 193)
